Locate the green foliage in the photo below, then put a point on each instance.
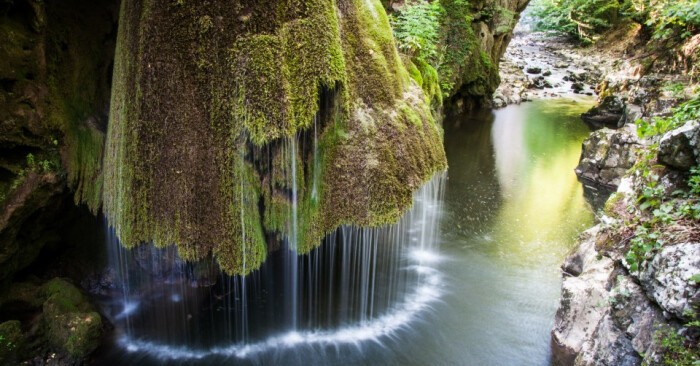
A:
(694, 181)
(677, 350)
(670, 19)
(658, 126)
(416, 29)
(658, 209)
(677, 90)
(582, 19)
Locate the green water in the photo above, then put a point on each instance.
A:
(513, 208)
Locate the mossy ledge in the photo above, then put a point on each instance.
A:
(212, 101)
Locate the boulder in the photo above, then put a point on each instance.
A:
(666, 279)
(11, 341)
(540, 83)
(607, 155)
(533, 70)
(579, 311)
(608, 346)
(604, 317)
(609, 113)
(680, 148)
(72, 325)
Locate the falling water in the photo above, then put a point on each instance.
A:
(293, 263)
(361, 285)
(316, 167)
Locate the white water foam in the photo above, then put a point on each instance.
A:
(428, 291)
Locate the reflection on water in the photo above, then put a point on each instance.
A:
(513, 209)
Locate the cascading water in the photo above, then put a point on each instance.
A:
(360, 285)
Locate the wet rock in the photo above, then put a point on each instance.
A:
(607, 155)
(101, 283)
(604, 317)
(577, 87)
(680, 148)
(666, 279)
(540, 83)
(579, 311)
(609, 113)
(533, 70)
(547, 73)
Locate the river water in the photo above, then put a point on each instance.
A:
(469, 277)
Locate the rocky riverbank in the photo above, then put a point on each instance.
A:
(630, 291)
(538, 65)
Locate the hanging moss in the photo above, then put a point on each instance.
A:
(207, 99)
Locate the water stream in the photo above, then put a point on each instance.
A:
(469, 276)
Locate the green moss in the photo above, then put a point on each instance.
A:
(465, 68)
(71, 323)
(199, 144)
(611, 204)
(11, 342)
(431, 84)
(78, 59)
(412, 70)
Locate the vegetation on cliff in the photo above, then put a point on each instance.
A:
(459, 41)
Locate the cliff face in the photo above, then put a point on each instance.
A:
(473, 48)
(55, 78)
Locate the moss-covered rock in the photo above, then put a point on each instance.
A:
(72, 324)
(11, 342)
(214, 111)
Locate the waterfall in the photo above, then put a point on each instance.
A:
(292, 260)
(361, 285)
(316, 167)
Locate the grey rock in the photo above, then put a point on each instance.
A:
(609, 113)
(680, 148)
(608, 346)
(580, 308)
(607, 155)
(666, 279)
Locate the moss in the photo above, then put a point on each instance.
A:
(71, 323)
(207, 100)
(611, 204)
(431, 84)
(11, 342)
(412, 70)
(79, 51)
(465, 68)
